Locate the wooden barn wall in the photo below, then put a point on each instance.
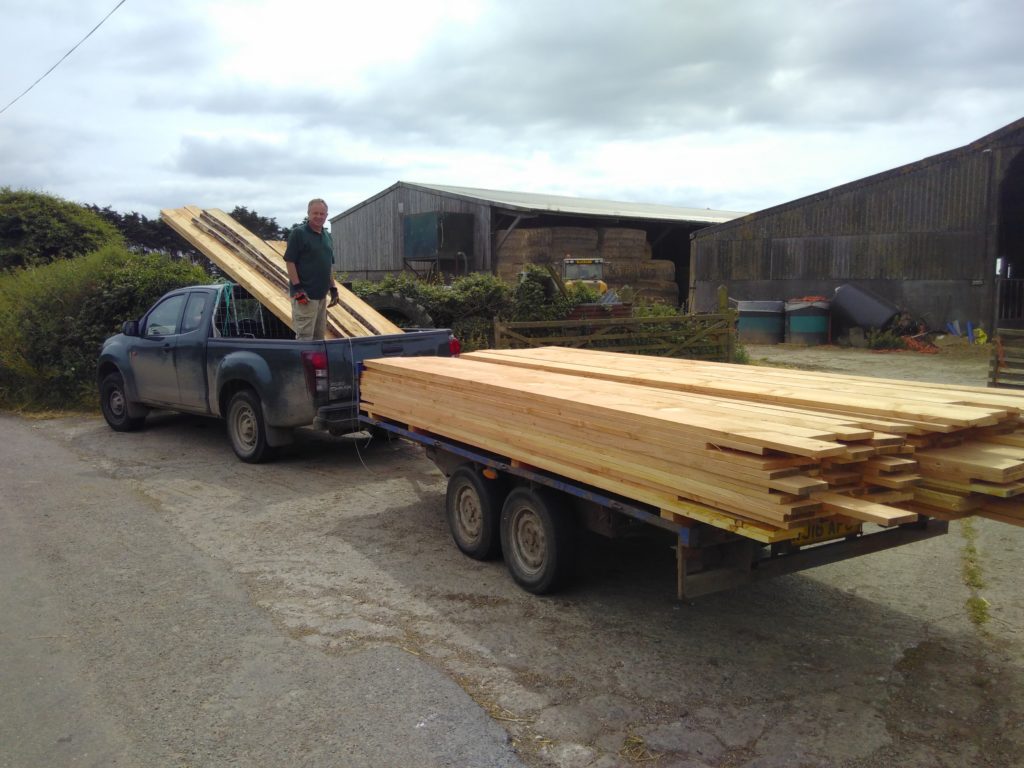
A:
(920, 238)
(368, 241)
(419, 201)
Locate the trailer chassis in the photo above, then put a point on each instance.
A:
(708, 559)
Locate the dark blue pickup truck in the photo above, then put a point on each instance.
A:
(214, 350)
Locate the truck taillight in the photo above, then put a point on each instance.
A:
(454, 346)
(315, 366)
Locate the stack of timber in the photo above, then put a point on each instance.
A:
(259, 267)
(762, 471)
(939, 450)
(626, 254)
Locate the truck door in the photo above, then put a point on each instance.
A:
(190, 351)
(153, 354)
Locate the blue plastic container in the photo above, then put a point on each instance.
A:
(762, 322)
(807, 322)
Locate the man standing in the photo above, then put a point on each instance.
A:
(310, 260)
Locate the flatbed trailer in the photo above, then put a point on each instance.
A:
(496, 505)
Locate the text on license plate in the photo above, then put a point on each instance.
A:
(823, 530)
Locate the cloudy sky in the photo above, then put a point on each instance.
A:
(700, 103)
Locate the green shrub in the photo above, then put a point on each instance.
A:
(37, 228)
(53, 319)
(877, 339)
(470, 303)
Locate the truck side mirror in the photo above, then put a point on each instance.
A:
(130, 328)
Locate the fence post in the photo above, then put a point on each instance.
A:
(497, 333)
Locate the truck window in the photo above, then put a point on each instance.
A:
(193, 311)
(163, 319)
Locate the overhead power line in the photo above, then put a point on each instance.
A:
(16, 98)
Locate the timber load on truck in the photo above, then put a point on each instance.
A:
(259, 267)
(757, 471)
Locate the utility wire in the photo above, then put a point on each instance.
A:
(18, 97)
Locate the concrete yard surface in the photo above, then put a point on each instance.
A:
(165, 604)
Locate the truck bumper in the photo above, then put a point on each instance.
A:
(338, 419)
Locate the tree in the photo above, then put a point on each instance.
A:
(36, 228)
(147, 235)
(266, 228)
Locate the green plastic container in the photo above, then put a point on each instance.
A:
(807, 322)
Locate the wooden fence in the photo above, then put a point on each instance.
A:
(1006, 366)
(700, 337)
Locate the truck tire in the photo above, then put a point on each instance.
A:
(115, 406)
(473, 508)
(537, 540)
(400, 310)
(246, 427)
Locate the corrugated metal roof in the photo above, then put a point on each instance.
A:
(528, 201)
(1008, 135)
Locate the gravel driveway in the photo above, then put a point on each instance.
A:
(343, 547)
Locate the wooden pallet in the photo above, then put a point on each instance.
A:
(258, 266)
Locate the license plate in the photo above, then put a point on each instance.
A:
(823, 530)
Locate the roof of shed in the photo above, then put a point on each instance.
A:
(1008, 135)
(529, 202)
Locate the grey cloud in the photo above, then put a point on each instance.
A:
(254, 160)
(659, 69)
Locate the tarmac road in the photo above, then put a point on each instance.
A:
(125, 644)
(165, 604)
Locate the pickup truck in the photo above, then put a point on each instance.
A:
(214, 350)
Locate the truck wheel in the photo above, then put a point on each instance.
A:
(537, 539)
(473, 507)
(114, 404)
(246, 429)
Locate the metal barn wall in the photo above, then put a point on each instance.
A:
(368, 239)
(922, 236)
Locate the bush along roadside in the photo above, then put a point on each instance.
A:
(54, 317)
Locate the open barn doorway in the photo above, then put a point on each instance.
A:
(1010, 245)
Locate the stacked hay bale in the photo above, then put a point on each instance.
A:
(627, 261)
(626, 254)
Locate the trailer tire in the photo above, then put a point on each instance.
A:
(473, 507)
(115, 405)
(246, 427)
(538, 540)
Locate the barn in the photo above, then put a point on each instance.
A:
(942, 238)
(430, 228)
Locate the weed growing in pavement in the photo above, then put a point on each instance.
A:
(977, 606)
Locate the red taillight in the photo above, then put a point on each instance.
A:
(315, 366)
(454, 346)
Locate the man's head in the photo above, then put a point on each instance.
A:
(316, 213)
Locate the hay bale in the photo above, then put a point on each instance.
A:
(635, 270)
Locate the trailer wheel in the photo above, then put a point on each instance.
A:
(473, 507)
(246, 427)
(115, 406)
(537, 539)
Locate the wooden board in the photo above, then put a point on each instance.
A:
(734, 447)
(259, 267)
(749, 466)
